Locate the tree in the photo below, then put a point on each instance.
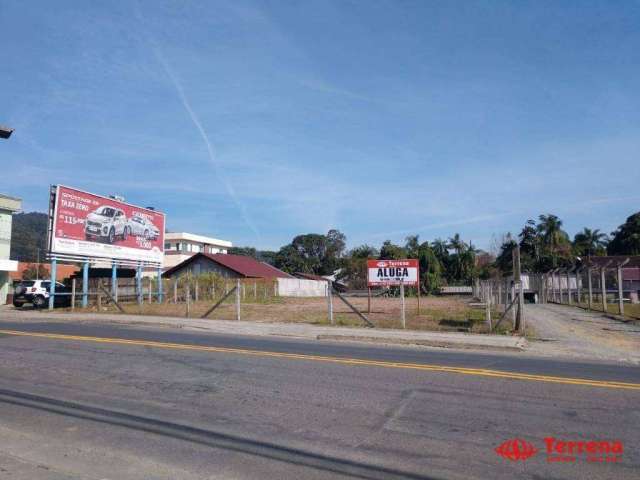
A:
(590, 242)
(35, 271)
(312, 253)
(261, 255)
(554, 240)
(390, 251)
(354, 271)
(626, 239)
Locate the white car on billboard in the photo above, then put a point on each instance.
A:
(106, 223)
(143, 227)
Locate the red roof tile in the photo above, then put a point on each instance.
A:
(241, 264)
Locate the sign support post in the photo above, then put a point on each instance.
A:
(404, 320)
(52, 289)
(159, 284)
(139, 283)
(85, 284)
(114, 281)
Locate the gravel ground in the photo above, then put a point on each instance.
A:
(568, 331)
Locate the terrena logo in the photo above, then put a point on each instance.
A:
(516, 449)
(563, 451)
(599, 451)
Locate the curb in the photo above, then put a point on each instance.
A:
(521, 346)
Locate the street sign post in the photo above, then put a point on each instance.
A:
(402, 273)
(385, 273)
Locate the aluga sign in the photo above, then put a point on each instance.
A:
(392, 272)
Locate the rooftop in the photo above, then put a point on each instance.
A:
(192, 237)
(10, 203)
(243, 265)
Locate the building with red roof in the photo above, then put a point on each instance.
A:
(227, 265)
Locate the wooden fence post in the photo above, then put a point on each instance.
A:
(197, 291)
(238, 299)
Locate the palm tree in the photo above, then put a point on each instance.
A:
(553, 237)
(457, 244)
(440, 248)
(589, 242)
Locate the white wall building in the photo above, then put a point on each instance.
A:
(178, 246)
(8, 205)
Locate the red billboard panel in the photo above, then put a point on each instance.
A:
(382, 273)
(89, 225)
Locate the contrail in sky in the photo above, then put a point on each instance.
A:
(196, 121)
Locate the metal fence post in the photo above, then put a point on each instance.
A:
(330, 302)
(590, 286)
(603, 289)
(521, 309)
(188, 297)
(620, 291)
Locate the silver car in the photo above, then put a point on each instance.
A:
(142, 227)
(106, 223)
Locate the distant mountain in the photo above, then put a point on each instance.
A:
(28, 234)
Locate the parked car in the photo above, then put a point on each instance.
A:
(37, 293)
(107, 223)
(143, 227)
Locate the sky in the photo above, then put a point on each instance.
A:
(257, 121)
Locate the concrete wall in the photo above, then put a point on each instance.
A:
(297, 287)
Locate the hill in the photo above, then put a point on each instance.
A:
(29, 233)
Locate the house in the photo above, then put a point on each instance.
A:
(229, 266)
(63, 271)
(179, 246)
(8, 205)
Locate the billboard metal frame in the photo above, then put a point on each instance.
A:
(93, 260)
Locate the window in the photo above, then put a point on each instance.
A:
(167, 246)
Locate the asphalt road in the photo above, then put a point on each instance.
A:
(75, 403)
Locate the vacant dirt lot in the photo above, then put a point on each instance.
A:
(441, 314)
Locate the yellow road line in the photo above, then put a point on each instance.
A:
(345, 361)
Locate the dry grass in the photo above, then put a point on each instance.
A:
(436, 313)
(631, 311)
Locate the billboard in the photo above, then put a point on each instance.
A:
(89, 225)
(382, 273)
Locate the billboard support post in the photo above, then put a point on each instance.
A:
(85, 284)
(159, 285)
(139, 284)
(114, 281)
(52, 288)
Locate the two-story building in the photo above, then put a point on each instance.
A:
(8, 205)
(179, 246)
